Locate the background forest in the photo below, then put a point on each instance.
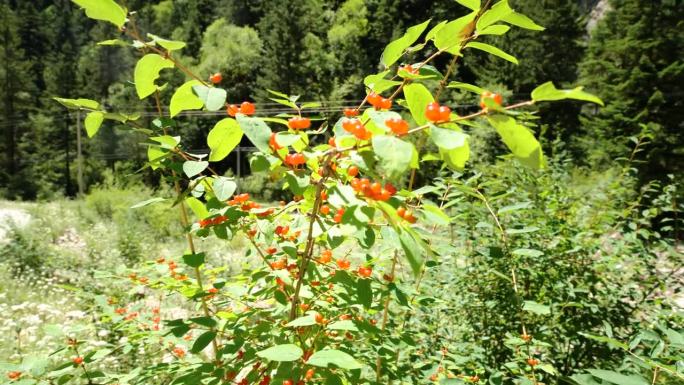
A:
(628, 52)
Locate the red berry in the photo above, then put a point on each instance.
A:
(351, 112)
(398, 126)
(365, 272)
(353, 171)
(374, 99)
(384, 104)
(432, 112)
(331, 142)
(273, 143)
(247, 108)
(444, 113)
(14, 375)
(232, 110)
(77, 360)
(288, 382)
(216, 78)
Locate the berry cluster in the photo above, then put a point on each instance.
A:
(212, 221)
(295, 159)
(436, 113)
(497, 98)
(246, 108)
(407, 215)
(374, 190)
(398, 126)
(351, 112)
(409, 68)
(299, 123)
(356, 128)
(379, 102)
(273, 143)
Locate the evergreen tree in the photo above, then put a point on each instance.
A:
(635, 64)
(291, 32)
(16, 98)
(551, 55)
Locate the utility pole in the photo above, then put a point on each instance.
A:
(79, 155)
(239, 171)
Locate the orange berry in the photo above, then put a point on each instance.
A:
(351, 112)
(353, 171)
(374, 99)
(14, 375)
(325, 209)
(232, 110)
(309, 374)
(247, 108)
(77, 360)
(401, 211)
(398, 126)
(343, 264)
(319, 318)
(365, 272)
(216, 78)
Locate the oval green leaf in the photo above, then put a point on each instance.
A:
(147, 72)
(223, 138)
(287, 352)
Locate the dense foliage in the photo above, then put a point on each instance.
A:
(321, 49)
(414, 243)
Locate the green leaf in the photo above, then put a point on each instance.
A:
(213, 98)
(147, 71)
(472, 4)
(522, 21)
(549, 92)
(449, 37)
(224, 188)
(447, 139)
(378, 83)
(394, 154)
(306, 320)
(194, 260)
(92, 122)
(466, 87)
(223, 138)
(418, 97)
(257, 131)
(192, 168)
(364, 291)
(338, 358)
(519, 140)
(497, 29)
(75, 104)
(197, 207)
(412, 250)
(202, 341)
(170, 45)
(106, 10)
(496, 13)
(287, 352)
(147, 202)
(617, 378)
(343, 325)
(456, 158)
(528, 252)
(184, 99)
(536, 308)
(492, 50)
(395, 49)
